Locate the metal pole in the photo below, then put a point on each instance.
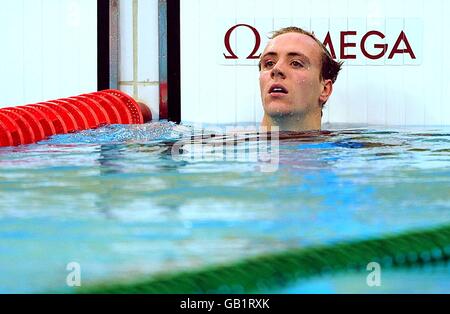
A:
(162, 33)
(114, 44)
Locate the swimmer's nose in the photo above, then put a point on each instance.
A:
(276, 72)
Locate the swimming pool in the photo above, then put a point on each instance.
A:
(117, 202)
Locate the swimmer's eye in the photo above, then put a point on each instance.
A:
(296, 64)
(268, 64)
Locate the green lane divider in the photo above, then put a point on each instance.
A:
(265, 273)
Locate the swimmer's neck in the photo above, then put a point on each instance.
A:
(311, 122)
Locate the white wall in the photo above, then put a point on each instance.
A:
(139, 70)
(48, 49)
(398, 91)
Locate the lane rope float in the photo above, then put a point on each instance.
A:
(32, 123)
(268, 272)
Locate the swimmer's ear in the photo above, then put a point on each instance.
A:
(327, 89)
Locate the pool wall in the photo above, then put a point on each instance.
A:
(400, 88)
(49, 50)
(52, 53)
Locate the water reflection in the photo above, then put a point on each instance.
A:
(116, 199)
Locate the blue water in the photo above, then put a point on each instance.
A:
(122, 203)
(428, 279)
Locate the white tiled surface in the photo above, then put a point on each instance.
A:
(32, 79)
(148, 41)
(190, 61)
(12, 67)
(51, 53)
(127, 89)
(126, 40)
(49, 50)
(206, 56)
(139, 63)
(397, 91)
(443, 111)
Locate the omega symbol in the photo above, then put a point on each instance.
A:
(231, 54)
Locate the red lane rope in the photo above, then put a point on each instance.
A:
(80, 118)
(124, 112)
(57, 121)
(5, 136)
(113, 114)
(100, 112)
(68, 118)
(42, 118)
(129, 102)
(87, 112)
(13, 128)
(31, 123)
(37, 131)
(27, 132)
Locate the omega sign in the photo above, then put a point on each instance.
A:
(402, 45)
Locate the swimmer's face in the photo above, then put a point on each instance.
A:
(290, 79)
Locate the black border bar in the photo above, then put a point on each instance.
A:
(275, 304)
(173, 54)
(103, 53)
(173, 61)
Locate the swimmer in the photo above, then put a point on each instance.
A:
(296, 76)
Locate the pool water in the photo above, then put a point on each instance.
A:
(430, 279)
(122, 203)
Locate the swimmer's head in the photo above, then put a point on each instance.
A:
(296, 79)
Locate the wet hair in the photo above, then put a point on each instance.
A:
(330, 67)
